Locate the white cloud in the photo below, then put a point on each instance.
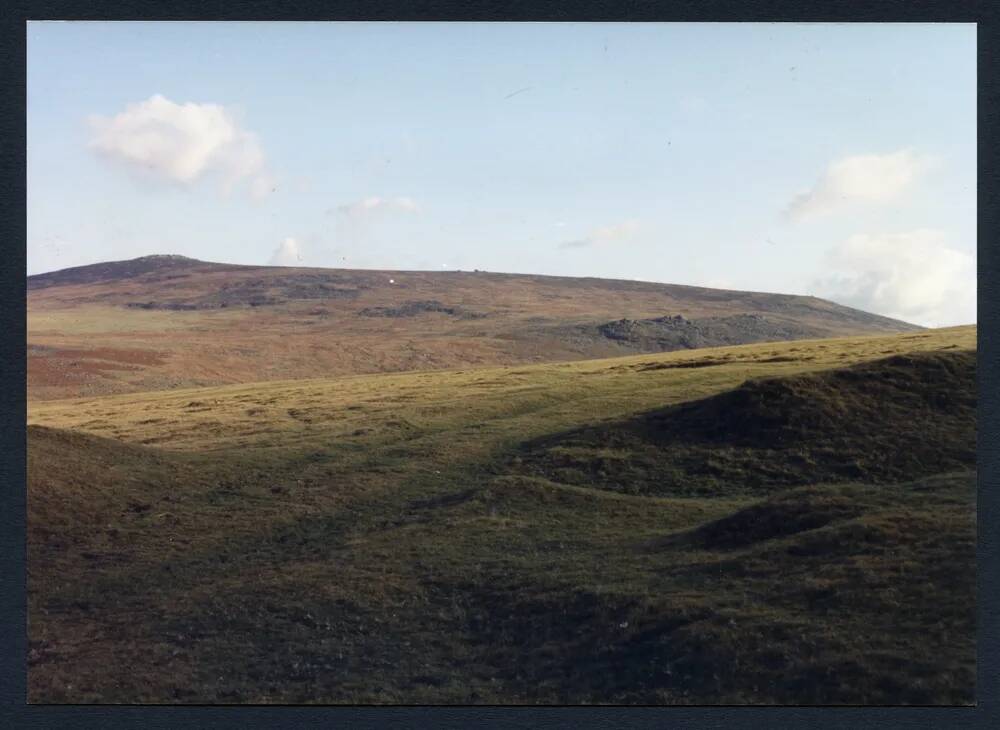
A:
(376, 205)
(914, 276)
(604, 235)
(182, 143)
(289, 253)
(861, 178)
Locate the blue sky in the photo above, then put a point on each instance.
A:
(835, 160)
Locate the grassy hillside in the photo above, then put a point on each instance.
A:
(374, 539)
(159, 323)
(894, 419)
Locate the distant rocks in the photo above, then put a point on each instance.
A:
(261, 292)
(676, 332)
(412, 309)
(172, 306)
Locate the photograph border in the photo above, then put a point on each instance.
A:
(16, 713)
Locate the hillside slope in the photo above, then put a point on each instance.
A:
(372, 539)
(163, 322)
(891, 420)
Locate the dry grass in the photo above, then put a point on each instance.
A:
(283, 323)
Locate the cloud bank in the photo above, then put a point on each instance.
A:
(604, 235)
(289, 253)
(861, 178)
(914, 276)
(182, 143)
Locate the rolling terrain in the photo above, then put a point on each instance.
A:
(167, 322)
(771, 523)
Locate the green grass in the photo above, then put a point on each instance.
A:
(372, 539)
(885, 421)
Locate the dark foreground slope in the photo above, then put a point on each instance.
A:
(162, 322)
(403, 561)
(823, 595)
(891, 420)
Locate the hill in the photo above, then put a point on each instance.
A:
(373, 538)
(891, 420)
(162, 322)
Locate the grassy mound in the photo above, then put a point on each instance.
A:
(788, 513)
(895, 419)
(876, 606)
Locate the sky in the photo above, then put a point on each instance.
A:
(837, 160)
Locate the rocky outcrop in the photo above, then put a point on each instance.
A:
(412, 309)
(676, 332)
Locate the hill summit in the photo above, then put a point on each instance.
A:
(166, 321)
